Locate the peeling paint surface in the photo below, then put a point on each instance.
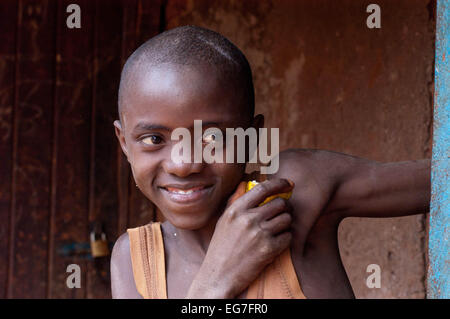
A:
(439, 245)
(329, 82)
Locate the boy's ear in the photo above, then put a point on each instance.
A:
(121, 137)
(258, 122)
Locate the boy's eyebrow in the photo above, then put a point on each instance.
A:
(144, 126)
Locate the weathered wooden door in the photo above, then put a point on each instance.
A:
(61, 168)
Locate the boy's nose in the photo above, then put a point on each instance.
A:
(181, 169)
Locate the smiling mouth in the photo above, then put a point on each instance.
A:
(184, 191)
(187, 195)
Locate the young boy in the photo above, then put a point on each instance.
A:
(214, 246)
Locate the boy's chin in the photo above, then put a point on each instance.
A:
(190, 222)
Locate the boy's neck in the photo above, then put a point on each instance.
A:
(196, 242)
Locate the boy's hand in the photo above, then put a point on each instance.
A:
(245, 240)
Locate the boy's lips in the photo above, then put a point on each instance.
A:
(187, 193)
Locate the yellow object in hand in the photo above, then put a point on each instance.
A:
(252, 184)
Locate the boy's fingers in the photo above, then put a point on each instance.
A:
(263, 190)
(277, 224)
(273, 208)
(282, 241)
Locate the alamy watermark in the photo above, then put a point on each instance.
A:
(214, 144)
(374, 18)
(74, 279)
(73, 20)
(374, 279)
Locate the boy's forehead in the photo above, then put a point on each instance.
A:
(179, 93)
(175, 79)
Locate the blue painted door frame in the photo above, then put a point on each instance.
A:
(438, 278)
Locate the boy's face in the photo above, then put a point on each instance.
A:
(165, 98)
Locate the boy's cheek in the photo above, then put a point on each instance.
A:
(230, 175)
(142, 171)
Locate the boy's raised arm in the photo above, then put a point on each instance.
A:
(372, 189)
(330, 183)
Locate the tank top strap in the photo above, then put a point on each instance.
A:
(147, 257)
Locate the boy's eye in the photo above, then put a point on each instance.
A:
(152, 140)
(209, 138)
(212, 136)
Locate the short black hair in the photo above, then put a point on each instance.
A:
(191, 45)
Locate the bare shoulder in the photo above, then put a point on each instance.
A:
(314, 173)
(326, 179)
(314, 164)
(122, 279)
(320, 157)
(301, 164)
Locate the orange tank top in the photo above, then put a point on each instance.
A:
(277, 281)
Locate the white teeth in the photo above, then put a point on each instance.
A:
(182, 192)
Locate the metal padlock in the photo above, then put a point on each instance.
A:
(99, 246)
